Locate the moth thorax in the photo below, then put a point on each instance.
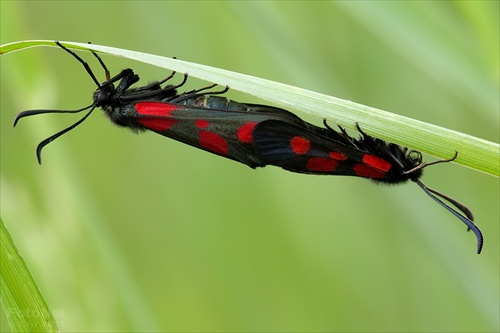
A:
(114, 114)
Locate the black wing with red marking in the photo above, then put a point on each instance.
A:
(310, 149)
(215, 124)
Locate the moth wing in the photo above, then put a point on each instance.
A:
(309, 149)
(222, 131)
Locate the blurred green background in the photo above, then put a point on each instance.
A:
(129, 232)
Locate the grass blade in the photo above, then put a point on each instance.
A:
(440, 142)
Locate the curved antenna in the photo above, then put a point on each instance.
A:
(468, 221)
(58, 134)
(464, 209)
(28, 113)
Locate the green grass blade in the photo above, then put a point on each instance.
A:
(21, 299)
(440, 142)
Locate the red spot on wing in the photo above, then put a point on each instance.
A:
(244, 132)
(158, 125)
(213, 142)
(155, 108)
(372, 167)
(159, 113)
(300, 145)
(338, 156)
(377, 162)
(322, 164)
(202, 123)
(364, 170)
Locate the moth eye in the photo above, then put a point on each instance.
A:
(101, 97)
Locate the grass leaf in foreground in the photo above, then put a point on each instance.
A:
(21, 299)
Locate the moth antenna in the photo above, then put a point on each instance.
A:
(467, 221)
(464, 209)
(28, 113)
(58, 134)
